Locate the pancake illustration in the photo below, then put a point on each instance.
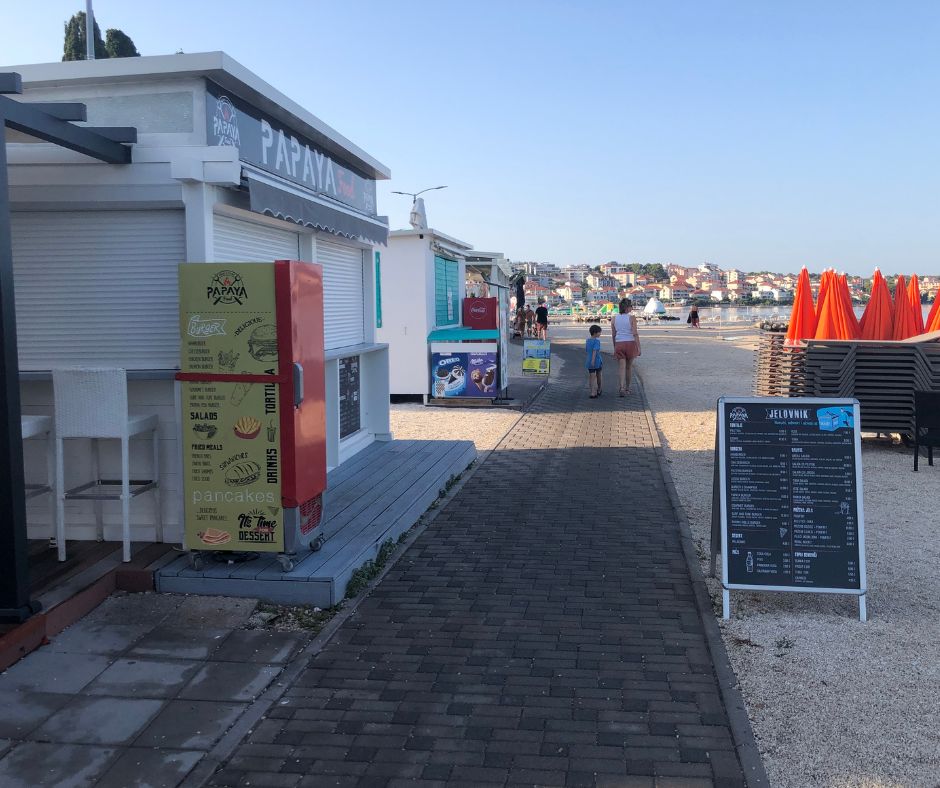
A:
(213, 536)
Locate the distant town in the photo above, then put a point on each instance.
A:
(583, 284)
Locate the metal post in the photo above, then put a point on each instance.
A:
(89, 31)
(725, 604)
(14, 566)
(862, 608)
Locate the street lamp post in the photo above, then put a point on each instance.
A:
(414, 195)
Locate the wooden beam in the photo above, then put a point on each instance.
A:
(29, 120)
(115, 133)
(63, 110)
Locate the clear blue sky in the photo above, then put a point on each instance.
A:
(750, 134)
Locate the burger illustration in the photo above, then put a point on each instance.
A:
(262, 344)
(214, 537)
(247, 427)
(242, 473)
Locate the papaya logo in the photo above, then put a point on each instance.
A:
(227, 287)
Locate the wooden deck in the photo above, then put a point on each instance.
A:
(377, 495)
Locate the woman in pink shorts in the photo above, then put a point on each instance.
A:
(626, 343)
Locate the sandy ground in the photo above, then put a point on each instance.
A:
(833, 702)
(484, 426)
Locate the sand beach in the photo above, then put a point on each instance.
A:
(833, 702)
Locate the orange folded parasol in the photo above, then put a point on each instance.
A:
(827, 318)
(803, 316)
(932, 323)
(904, 323)
(913, 295)
(878, 320)
(824, 282)
(847, 318)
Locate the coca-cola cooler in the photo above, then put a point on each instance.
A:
(481, 313)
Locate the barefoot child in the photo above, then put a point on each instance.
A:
(594, 362)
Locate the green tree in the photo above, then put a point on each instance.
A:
(119, 44)
(74, 47)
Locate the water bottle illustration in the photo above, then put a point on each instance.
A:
(749, 562)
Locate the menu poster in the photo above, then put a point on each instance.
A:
(231, 466)
(536, 357)
(791, 491)
(349, 391)
(227, 319)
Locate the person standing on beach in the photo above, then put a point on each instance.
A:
(593, 360)
(693, 316)
(541, 319)
(626, 343)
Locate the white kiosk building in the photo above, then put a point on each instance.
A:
(225, 169)
(424, 275)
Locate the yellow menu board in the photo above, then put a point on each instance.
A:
(227, 318)
(232, 466)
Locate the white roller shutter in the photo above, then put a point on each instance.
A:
(236, 241)
(97, 288)
(343, 321)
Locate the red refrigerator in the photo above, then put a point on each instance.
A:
(252, 396)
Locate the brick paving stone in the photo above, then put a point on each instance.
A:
(541, 630)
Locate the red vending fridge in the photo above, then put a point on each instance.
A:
(253, 406)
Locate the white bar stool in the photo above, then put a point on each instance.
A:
(92, 403)
(39, 427)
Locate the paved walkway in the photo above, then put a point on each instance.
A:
(541, 631)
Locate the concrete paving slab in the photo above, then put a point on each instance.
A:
(47, 671)
(21, 712)
(229, 681)
(190, 724)
(214, 612)
(145, 768)
(144, 678)
(168, 641)
(99, 721)
(136, 609)
(36, 765)
(85, 637)
(253, 645)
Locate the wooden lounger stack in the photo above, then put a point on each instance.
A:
(882, 376)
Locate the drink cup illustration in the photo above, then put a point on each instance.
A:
(272, 431)
(240, 391)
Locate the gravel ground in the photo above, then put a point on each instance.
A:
(484, 426)
(833, 702)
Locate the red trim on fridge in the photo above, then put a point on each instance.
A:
(215, 377)
(285, 351)
(299, 301)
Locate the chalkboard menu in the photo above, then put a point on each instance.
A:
(348, 396)
(790, 495)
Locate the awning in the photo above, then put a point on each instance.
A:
(462, 334)
(292, 207)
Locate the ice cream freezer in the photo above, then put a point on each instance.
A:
(252, 393)
(464, 369)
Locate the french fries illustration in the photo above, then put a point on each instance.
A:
(247, 427)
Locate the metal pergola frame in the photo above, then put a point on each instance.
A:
(48, 122)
